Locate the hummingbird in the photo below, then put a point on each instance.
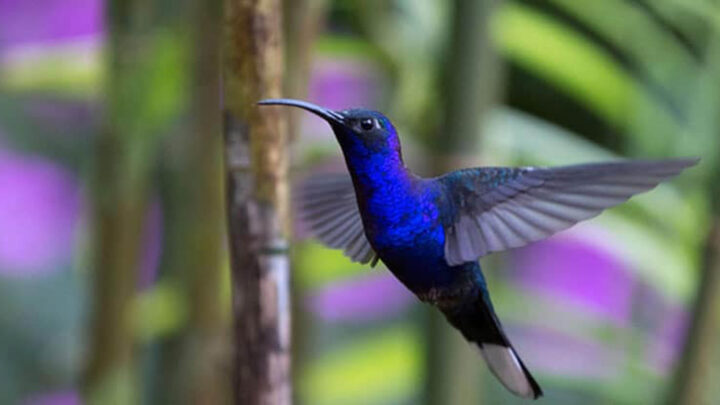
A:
(431, 232)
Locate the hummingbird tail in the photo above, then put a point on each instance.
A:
(475, 318)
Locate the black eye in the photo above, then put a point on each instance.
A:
(366, 124)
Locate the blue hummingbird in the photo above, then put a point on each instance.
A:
(430, 232)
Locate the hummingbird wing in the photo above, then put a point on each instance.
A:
(328, 206)
(496, 208)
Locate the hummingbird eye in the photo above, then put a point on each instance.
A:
(367, 124)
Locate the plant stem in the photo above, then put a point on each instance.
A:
(192, 361)
(123, 155)
(691, 377)
(470, 88)
(256, 168)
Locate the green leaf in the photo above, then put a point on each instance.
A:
(579, 68)
(316, 265)
(382, 368)
(73, 69)
(655, 50)
(663, 229)
(159, 312)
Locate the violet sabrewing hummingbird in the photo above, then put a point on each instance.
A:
(430, 232)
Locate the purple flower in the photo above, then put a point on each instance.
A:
(560, 354)
(367, 298)
(35, 21)
(666, 340)
(581, 273)
(39, 212)
(339, 84)
(54, 398)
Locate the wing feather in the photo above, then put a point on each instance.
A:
(328, 206)
(494, 209)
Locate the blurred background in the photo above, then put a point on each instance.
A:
(113, 264)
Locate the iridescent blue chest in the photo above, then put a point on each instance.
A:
(401, 217)
(402, 213)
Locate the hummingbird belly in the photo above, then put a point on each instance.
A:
(407, 235)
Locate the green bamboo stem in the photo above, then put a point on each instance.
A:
(303, 20)
(469, 88)
(302, 23)
(192, 364)
(692, 378)
(119, 204)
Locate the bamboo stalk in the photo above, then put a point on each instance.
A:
(119, 204)
(192, 361)
(696, 372)
(208, 386)
(303, 19)
(469, 89)
(256, 169)
(692, 374)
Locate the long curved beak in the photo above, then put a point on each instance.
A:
(328, 115)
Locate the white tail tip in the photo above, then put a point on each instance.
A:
(504, 363)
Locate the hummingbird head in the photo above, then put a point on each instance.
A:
(360, 132)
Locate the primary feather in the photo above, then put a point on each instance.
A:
(329, 206)
(494, 209)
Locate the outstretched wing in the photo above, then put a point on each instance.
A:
(328, 205)
(494, 209)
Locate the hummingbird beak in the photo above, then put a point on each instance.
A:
(330, 116)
